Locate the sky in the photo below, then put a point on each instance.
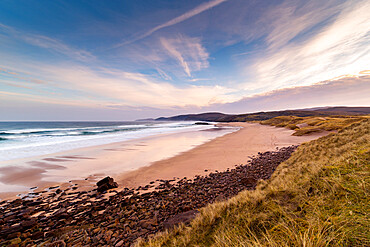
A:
(126, 60)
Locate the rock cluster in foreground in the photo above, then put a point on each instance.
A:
(69, 218)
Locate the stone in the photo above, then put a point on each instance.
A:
(148, 224)
(28, 224)
(249, 181)
(185, 218)
(37, 235)
(120, 243)
(14, 235)
(59, 243)
(15, 241)
(60, 212)
(108, 235)
(106, 184)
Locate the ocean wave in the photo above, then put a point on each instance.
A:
(107, 131)
(51, 140)
(41, 135)
(3, 139)
(84, 131)
(69, 131)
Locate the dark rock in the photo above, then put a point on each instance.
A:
(249, 181)
(148, 224)
(11, 229)
(59, 243)
(28, 224)
(13, 235)
(60, 213)
(52, 233)
(185, 218)
(201, 123)
(37, 235)
(106, 184)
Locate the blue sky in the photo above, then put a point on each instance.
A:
(122, 60)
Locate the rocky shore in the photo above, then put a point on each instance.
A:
(97, 218)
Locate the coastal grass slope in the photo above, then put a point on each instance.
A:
(308, 125)
(318, 197)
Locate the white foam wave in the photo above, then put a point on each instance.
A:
(41, 144)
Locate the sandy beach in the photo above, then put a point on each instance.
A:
(138, 162)
(217, 155)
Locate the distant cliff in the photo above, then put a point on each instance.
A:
(259, 116)
(210, 116)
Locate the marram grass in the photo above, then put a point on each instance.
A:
(319, 197)
(308, 125)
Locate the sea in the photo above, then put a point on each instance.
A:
(28, 139)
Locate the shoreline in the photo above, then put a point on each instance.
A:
(84, 166)
(215, 154)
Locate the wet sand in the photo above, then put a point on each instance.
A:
(85, 166)
(138, 162)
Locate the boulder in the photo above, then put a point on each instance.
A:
(249, 181)
(185, 218)
(106, 184)
(201, 123)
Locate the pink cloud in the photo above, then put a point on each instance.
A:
(349, 91)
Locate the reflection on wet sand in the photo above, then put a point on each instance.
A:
(110, 159)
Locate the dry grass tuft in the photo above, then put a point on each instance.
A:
(319, 197)
(308, 125)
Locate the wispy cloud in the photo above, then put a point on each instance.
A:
(20, 77)
(292, 18)
(342, 47)
(189, 53)
(25, 97)
(106, 86)
(47, 43)
(163, 74)
(176, 54)
(137, 89)
(55, 45)
(199, 79)
(195, 11)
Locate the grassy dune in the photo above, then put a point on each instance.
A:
(319, 197)
(307, 125)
